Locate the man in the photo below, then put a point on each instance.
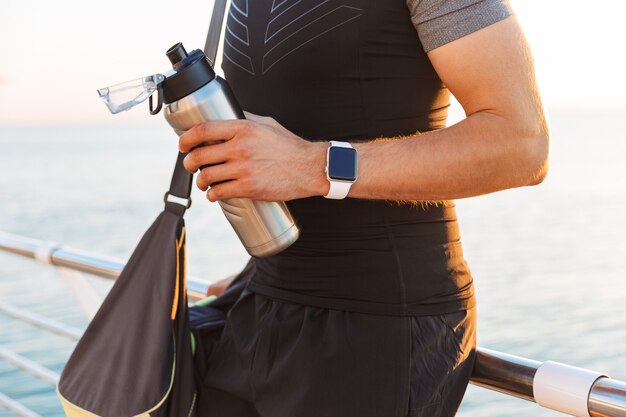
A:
(372, 311)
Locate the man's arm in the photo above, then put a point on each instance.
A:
(503, 142)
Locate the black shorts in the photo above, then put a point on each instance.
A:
(278, 359)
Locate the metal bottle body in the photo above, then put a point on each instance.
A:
(265, 228)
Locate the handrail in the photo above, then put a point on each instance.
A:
(16, 407)
(516, 376)
(41, 322)
(29, 366)
(55, 254)
(509, 374)
(512, 375)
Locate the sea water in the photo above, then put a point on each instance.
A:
(549, 262)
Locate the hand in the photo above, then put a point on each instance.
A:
(217, 288)
(255, 158)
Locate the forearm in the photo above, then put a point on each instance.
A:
(484, 153)
(503, 143)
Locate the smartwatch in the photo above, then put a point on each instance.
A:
(341, 169)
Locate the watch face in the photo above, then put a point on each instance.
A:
(342, 163)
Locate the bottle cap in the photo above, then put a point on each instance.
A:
(191, 71)
(176, 54)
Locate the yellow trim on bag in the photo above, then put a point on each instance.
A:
(72, 410)
(185, 271)
(179, 243)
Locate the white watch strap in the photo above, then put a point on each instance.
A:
(338, 189)
(340, 144)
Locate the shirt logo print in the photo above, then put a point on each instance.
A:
(291, 25)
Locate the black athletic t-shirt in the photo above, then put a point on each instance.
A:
(354, 70)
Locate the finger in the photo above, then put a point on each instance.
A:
(217, 173)
(212, 131)
(215, 290)
(207, 155)
(224, 190)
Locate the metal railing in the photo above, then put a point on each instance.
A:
(570, 390)
(16, 407)
(516, 376)
(55, 254)
(41, 322)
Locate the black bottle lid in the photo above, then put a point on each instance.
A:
(176, 54)
(191, 71)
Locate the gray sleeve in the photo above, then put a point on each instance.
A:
(442, 21)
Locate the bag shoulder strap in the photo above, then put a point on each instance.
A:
(177, 198)
(215, 30)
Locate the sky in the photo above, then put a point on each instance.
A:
(54, 55)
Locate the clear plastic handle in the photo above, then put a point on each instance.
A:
(124, 96)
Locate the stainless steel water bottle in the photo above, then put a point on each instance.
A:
(192, 93)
